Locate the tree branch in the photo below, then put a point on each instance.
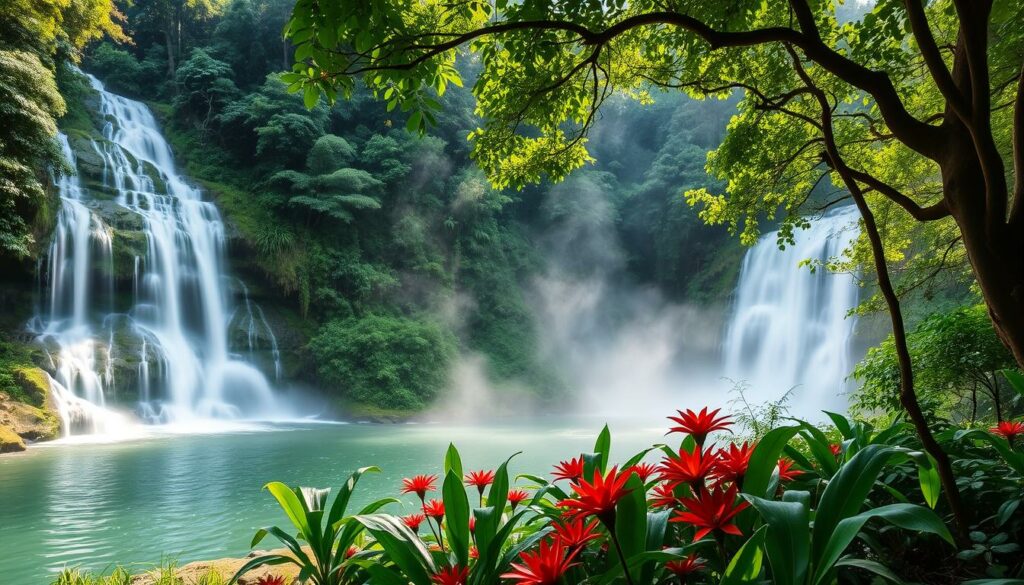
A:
(933, 59)
(930, 213)
(1017, 211)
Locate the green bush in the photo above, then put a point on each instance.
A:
(385, 361)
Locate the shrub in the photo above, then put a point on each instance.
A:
(386, 361)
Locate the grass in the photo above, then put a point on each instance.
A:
(165, 574)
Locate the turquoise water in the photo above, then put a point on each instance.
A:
(198, 496)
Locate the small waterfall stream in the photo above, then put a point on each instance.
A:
(789, 327)
(181, 306)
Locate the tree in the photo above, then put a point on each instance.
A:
(205, 87)
(919, 105)
(957, 357)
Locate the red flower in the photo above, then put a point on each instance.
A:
(451, 576)
(690, 467)
(836, 449)
(413, 521)
(574, 533)
(480, 479)
(786, 470)
(571, 470)
(664, 496)
(644, 470)
(598, 497)
(699, 425)
(472, 523)
(517, 496)
(733, 462)
(711, 510)
(1008, 429)
(684, 567)
(420, 485)
(351, 551)
(474, 552)
(434, 509)
(270, 580)
(545, 566)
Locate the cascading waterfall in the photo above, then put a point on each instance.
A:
(181, 307)
(790, 327)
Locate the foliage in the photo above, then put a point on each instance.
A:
(392, 362)
(957, 356)
(865, 508)
(204, 87)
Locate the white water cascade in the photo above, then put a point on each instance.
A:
(181, 306)
(790, 327)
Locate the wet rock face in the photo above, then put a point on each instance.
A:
(10, 442)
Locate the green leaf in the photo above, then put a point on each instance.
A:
(787, 540)
(456, 512)
(345, 494)
(291, 505)
(259, 562)
(876, 568)
(765, 459)
(631, 518)
(603, 447)
(452, 460)
(745, 566)
(311, 96)
(413, 124)
(1016, 380)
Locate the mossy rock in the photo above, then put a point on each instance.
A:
(34, 383)
(37, 420)
(10, 442)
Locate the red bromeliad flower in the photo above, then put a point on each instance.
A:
(690, 467)
(517, 496)
(575, 533)
(270, 580)
(699, 424)
(571, 470)
(786, 470)
(598, 497)
(434, 509)
(664, 496)
(420, 485)
(685, 567)
(644, 470)
(711, 510)
(451, 576)
(1008, 429)
(733, 462)
(351, 551)
(545, 566)
(480, 479)
(836, 449)
(413, 521)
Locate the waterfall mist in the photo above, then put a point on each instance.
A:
(620, 347)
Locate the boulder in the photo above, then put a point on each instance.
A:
(37, 421)
(10, 442)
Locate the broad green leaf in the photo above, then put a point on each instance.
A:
(456, 515)
(452, 460)
(745, 566)
(787, 540)
(603, 447)
(291, 505)
(765, 458)
(631, 518)
(340, 504)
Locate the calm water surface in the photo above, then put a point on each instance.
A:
(190, 497)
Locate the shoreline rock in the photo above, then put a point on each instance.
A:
(192, 573)
(28, 421)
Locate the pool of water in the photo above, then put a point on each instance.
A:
(174, 496)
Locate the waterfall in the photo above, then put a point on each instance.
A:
(178, 319)
(789, 328)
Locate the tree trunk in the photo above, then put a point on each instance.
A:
(170, 54)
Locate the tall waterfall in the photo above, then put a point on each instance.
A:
(789, 328)
(180, 309)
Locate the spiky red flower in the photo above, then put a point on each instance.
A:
(434, 509)
(270, 580)
(571, 470)
(836, 449)
(711, 510)
(1008, 429)
(664, 495)
(699, 424)
(474, 552)
(786, 470)
(691, 467)
(575, 533)
(686, 567)
(733, 462)
(351, 551)
(597, 497)
(419, 484)
(517, 496)
(451, 576)
(545, 566)
(413, 521)
(644, 470)
(480, 479)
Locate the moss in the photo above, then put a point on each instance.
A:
(34, 383)
(18, 374)
(10, 441)
(362, 411)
